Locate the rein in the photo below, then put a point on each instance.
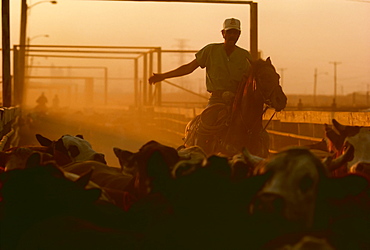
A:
(269, 119)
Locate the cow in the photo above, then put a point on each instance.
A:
(131, 162)
(110, 179)
(190, 158)
(16, 157)
(299, 196)
(40, 207)
(70, 148)
(150, 166)
(210, 201)
(341, 136)
(148, 196)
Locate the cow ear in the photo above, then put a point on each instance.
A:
(339, 127)
(100, 158)
(73, 150)
(80, 136)
(124, 157)
(84, 178)
(43, 140)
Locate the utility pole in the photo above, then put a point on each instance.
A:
(19, 88)
(335, 80)
(315, 85)
(254, 30)
(19, 85)
(6, 54)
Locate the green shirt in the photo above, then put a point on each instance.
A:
(223, 72)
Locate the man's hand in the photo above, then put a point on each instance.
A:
(156, 78)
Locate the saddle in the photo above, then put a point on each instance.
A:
(206, 127)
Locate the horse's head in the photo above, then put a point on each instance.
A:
(267, 81)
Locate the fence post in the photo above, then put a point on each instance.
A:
(159, 84)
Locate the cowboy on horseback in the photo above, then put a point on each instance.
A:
(225, 63)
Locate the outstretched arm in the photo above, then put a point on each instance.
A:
(180, 71)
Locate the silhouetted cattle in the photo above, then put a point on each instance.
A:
(299, 196)
(184, 200)
(109, 179)
(41, 208)
(16, 157)
(150, 166)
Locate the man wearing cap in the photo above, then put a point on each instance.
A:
(225, 64)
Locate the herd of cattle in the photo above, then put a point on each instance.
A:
(61, 194)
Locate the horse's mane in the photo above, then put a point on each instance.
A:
(259, 63)
(249, 78)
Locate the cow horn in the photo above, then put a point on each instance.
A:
(251, 159)
(345, 130)
(341, 160)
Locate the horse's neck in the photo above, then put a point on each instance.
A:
(248, 104)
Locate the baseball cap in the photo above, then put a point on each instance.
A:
(231, 23)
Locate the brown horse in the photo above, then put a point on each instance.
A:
(227, 129)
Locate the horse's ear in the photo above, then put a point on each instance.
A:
(249, 60)
(268, 60)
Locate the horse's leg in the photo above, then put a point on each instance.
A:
(259, 143)
(265, 143)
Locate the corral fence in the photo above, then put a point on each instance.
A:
(94, 80)
(99, 75)
(286, 128)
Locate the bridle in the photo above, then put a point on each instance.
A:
(256, 81)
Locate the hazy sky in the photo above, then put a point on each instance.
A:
(298, 35)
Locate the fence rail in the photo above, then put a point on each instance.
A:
(286, 128)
